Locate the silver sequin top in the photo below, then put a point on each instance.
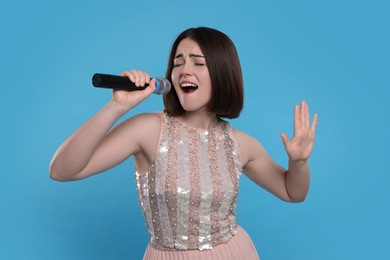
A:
(188, 196)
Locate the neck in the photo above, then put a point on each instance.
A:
(204, 120)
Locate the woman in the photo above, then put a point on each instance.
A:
(188, 159)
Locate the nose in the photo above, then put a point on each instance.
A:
(186, 69)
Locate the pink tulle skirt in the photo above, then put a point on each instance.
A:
(239, 247)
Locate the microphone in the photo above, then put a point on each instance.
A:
(163, 86)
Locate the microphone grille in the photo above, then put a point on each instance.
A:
(163, 86)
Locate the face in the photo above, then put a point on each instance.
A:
(190, 77)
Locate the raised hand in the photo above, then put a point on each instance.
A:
(302, 142)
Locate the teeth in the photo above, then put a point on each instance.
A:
(188, 85)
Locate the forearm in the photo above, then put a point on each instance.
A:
(298, 180)
(73, 155)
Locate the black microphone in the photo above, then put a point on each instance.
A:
(163, 86)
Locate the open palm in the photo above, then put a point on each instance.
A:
(302, 142)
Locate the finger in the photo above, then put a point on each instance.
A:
(138, 78)
(146, 77)
(143, 78)
(133, 76)
(302, 113)
(314, 124)
(297, 118)
(152, 85)
(284, 139)
(128, 75)
(307, 116)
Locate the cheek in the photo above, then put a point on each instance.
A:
(174, 79)
(206, 79)
(204, 74)
(174, 76)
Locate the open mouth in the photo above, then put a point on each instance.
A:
(188, 87)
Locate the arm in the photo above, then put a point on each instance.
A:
(92, 148)
(290, 185)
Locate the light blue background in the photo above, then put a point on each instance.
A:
(334, 54)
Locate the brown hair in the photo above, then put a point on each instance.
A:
(222, 61)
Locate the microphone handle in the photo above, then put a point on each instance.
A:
(114, 82)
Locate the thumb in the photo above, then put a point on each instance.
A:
(284, 139)
(152, 86)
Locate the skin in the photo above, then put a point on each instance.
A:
(290, 185)
(95, 147)
(190, 67)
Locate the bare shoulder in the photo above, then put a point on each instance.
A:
(243, 138)
(146, 117)
(145, 122)
(240, 135)
(138, 130)
(147, 128)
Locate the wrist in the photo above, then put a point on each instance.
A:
(117, 108)
(302, 162)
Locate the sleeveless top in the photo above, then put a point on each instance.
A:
(188, 195)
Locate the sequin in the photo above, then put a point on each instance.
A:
(188, 196)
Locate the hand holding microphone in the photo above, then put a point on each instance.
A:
(131, 87)
(130, 83)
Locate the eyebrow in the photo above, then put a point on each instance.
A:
(191, 56)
